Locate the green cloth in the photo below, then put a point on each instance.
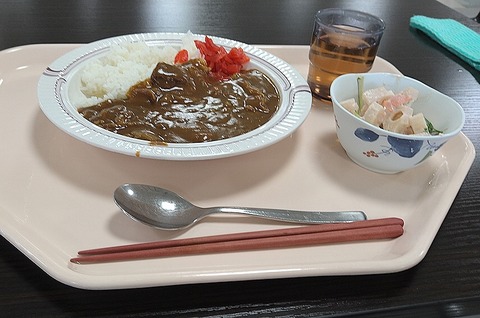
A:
(456, 37)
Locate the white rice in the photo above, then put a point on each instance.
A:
(126, 64)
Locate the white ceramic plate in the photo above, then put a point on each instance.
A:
(61, 77)
(56, 194)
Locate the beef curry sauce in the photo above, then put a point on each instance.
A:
(183, 103)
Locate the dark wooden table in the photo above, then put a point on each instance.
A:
(446, 283)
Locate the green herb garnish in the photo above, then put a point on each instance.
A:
(360, 93)
(432, 130)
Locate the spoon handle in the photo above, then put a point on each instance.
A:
(305, 217)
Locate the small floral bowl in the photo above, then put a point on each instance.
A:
(383, 151)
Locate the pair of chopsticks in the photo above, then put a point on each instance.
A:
(269, 239)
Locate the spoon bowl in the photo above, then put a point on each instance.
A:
(167, 210)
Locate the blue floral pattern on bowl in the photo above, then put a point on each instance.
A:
(405, 148)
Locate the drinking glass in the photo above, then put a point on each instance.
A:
(343, 41)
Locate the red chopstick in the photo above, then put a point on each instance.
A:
(245, 236)
(269, 239)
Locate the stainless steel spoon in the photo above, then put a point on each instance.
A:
(164, 209)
